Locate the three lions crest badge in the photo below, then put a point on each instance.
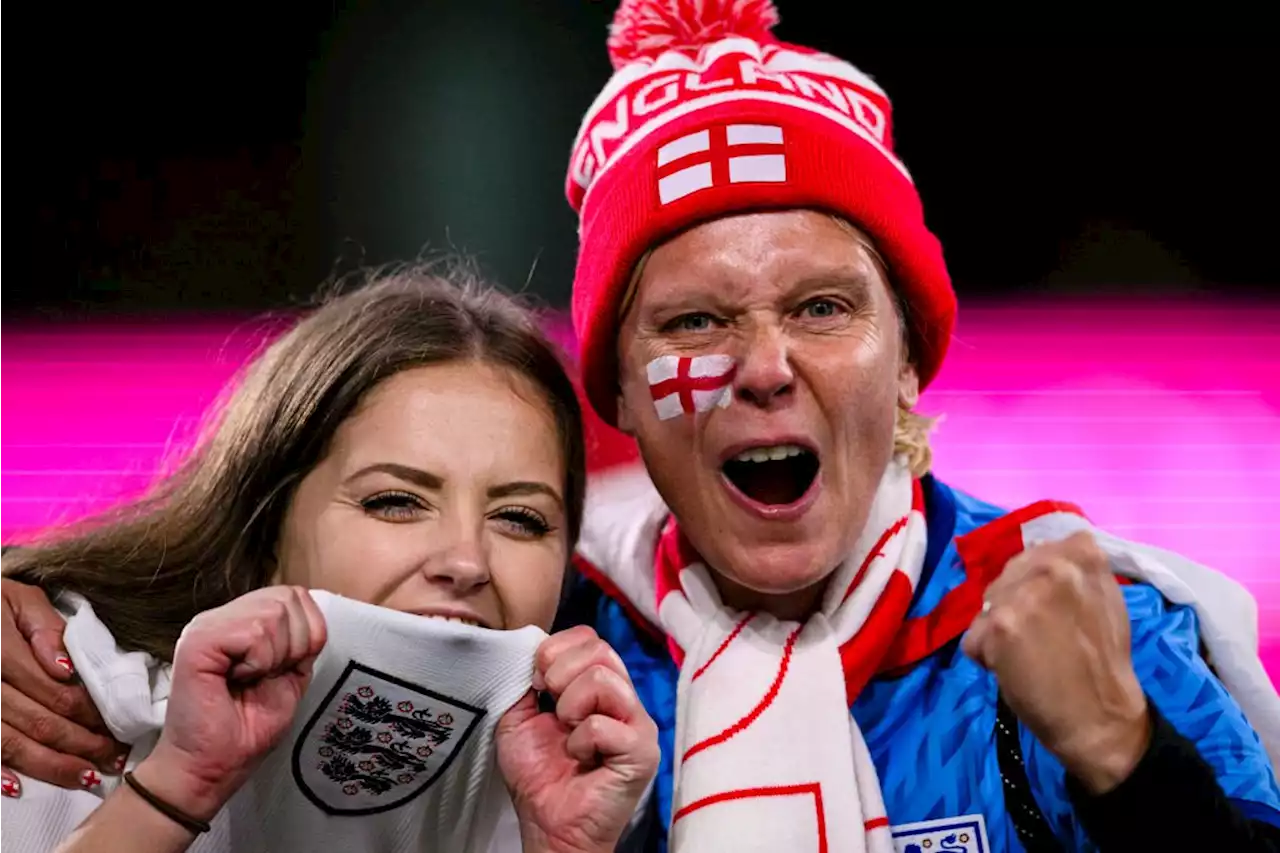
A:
(376, 742)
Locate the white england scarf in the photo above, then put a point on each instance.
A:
(767, 755)
(391, 749)
(623, 528)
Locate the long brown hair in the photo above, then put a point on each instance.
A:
(204, 535)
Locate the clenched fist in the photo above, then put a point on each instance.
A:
(577, 774)
(1055, 633)
(239, 672)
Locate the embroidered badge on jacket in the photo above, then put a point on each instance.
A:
(965, 834)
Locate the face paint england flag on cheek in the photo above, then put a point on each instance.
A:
(682, 385)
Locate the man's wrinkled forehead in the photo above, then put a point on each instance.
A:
(858, 275)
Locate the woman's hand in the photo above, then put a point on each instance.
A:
(239, 672)
(577, 775)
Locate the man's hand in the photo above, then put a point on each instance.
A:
(50, 729)
(1056, 636)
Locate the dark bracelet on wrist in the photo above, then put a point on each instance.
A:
(174, 814)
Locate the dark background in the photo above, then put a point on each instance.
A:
(231, 156)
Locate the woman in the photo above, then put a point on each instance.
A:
(413, 445)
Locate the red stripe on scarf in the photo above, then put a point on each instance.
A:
(861, 655)
(876, 551)
(983, 553)
(778, 791)
(727, 640)
(673, 555)
(745, 723)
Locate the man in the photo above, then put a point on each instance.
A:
(841, 652)
(759, 303)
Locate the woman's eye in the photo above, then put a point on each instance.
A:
(394, 506)
(697, 322)
(522, 521)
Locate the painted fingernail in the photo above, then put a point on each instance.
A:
(65, 662)
(120, 763)
(11, 787)
(90, 779)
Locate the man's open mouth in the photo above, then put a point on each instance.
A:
(776, 476)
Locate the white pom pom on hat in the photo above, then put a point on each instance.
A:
(645, 29)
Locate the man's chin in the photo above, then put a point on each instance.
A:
(776, 571)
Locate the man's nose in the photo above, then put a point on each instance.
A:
(765, 376)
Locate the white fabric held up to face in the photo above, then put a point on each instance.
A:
(392, 747)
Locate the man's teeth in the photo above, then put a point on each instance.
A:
(769, 454)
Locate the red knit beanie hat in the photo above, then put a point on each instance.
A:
(708, 115)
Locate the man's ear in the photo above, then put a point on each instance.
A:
(626, 421)
(908, 386)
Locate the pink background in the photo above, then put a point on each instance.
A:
(1163, 423)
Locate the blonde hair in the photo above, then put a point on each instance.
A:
(910, 429)
(911, 440)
